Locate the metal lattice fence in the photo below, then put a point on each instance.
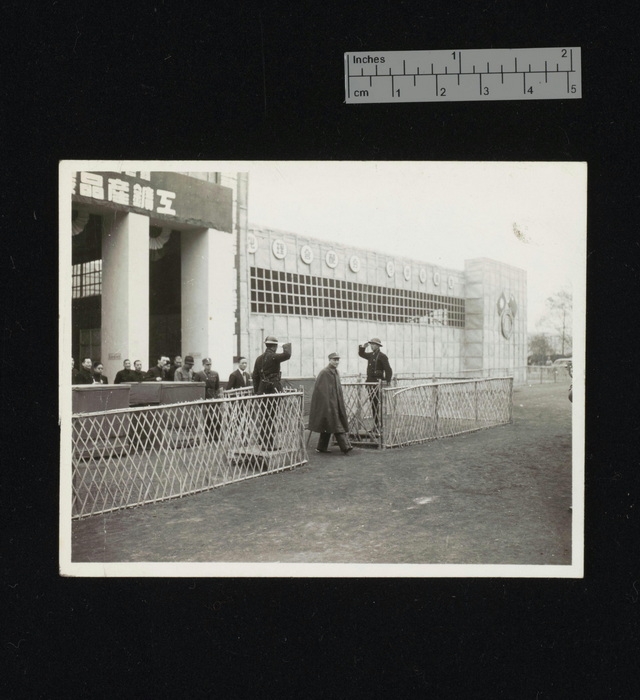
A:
(129, 457)
(414, 414)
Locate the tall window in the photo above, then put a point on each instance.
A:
(87, 279)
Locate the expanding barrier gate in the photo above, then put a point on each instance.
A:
(395, 416)
(128, 457)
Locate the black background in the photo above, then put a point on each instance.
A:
(188, 80)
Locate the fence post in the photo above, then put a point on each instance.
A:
(435, 409)
(510, 399)
(381, 410)
(476, 401)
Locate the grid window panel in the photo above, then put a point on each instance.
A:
(309, 295)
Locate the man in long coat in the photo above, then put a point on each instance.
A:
(328, 414)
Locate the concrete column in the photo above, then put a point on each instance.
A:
(125, 291)
(208, 298)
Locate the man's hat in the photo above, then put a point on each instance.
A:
(206, 361)
(334, 356)
(376, 341)
(270, 340)
(188, 358)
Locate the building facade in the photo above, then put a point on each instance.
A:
(166, 263)
(153, 260)
(326, 297)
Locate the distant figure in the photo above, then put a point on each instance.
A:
(74, 371)
(328, 414)
(177, 362)
(98, 377)
(378, 369)
(159, 372)
(125, 375)
(240, 378)
(266, 380)
(138, 374)
(184, 373)
(85, 373)
(211, 391)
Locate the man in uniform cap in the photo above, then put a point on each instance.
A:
(184, 373)
(328, 413)
(266, 380)
(378, 369)
(212, 390)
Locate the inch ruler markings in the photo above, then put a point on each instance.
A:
(462, 76)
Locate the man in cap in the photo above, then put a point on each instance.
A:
(266, 380)
(378, 369)
(328, 413)
(184, 373)
(212, 390)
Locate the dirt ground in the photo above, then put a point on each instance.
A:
(497, 496)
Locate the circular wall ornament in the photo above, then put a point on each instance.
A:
(279, 248)
(354, 263)
(423, 275)
(306, 254)
(391, 268)
(407, 272)
(506, 324)
(331, 258)
(450, 281)
(436, 278)
(252, 243)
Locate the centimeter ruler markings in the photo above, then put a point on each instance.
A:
(475, 74)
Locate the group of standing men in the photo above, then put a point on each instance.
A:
(327, 416)
(165, 370)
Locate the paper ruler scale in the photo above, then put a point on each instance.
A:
(463, 75)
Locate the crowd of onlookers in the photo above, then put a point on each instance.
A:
(178, 370)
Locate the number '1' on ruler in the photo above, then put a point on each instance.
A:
(474, 74)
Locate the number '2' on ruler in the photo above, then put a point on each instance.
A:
(474, 74)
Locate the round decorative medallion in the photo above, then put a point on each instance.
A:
(252, 243)
(306, 254)
(450, 281)
(279, 248)
(407, 272)
(354, 263)
(436, 278)
(331, 258)
(391, 268)
(506, 324)
(423, 275)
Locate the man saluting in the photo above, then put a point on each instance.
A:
(266, 380)
(378, 368)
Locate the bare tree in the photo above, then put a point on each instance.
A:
(559, 318)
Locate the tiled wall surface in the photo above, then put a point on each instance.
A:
(426, 346)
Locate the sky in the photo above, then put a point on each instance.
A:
(530, 215)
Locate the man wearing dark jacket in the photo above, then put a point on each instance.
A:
(266, 380)
(85, 373)
(240, 378)
(328, 413)
(125, 375)
(378, 369)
